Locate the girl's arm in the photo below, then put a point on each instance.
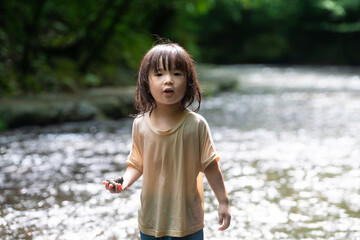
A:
(130, 176)
(214, 177)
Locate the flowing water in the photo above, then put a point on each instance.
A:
(289, 140)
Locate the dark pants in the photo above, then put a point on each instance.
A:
(195, 236)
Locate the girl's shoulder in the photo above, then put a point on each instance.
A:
(197, 118)
(139, 119)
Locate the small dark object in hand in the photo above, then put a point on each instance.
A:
(116, 181)
(119, 180)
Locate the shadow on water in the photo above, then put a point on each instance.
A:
(289, 140)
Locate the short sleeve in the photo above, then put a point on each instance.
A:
(134, 158)
(207, 148)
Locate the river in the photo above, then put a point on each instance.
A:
(289, 141)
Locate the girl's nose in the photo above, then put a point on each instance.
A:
(168, 79)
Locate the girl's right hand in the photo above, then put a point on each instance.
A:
(114, 186)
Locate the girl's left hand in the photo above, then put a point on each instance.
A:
(224, 216)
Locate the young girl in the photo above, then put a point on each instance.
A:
(172, 147)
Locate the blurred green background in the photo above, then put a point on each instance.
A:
(57, 46)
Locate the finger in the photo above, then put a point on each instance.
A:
(112, 183)
(119, 187)
(221, 219)
(225, 223)
(112, 189)
(106, 185)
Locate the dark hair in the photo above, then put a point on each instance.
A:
(170, 54)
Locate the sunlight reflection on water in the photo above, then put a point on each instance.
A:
(289, 146)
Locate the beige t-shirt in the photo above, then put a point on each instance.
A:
(172, 199)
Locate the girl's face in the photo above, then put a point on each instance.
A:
(167, 86)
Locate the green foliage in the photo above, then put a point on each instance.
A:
(258, 47)
(64, 45)
(2, 125)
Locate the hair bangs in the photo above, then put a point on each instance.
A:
(169, 57)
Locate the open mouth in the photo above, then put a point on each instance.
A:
(168, 90)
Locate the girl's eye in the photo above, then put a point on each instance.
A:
(178, 74)
(158, 74)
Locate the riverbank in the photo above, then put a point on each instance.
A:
(99, 103)
(45, 109)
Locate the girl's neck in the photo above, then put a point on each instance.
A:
(166, 117)
(167, 110)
